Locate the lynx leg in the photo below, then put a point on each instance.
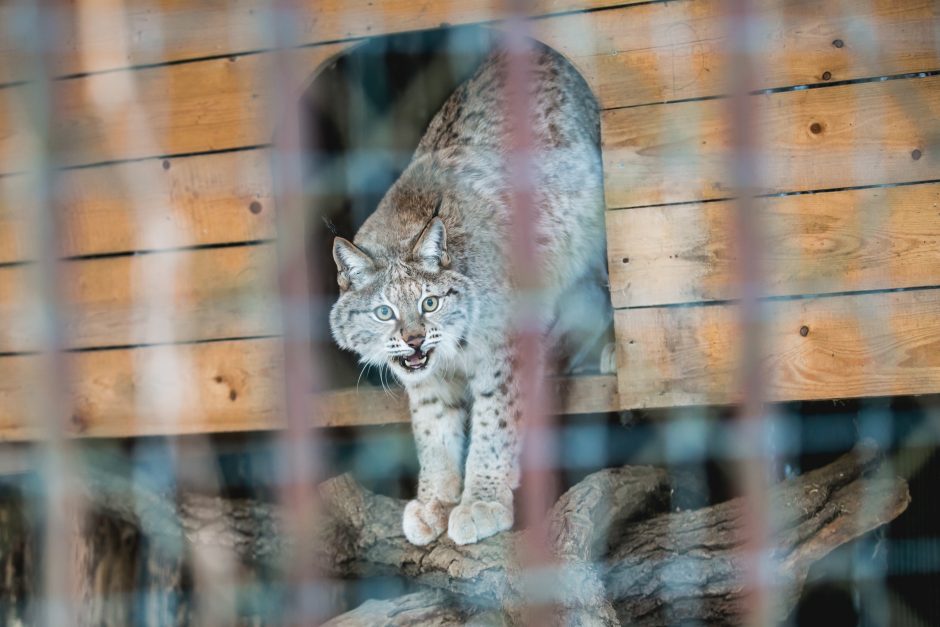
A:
(492, 467)
(438, 422)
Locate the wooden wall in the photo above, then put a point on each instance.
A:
(836, 243)
(163, 130)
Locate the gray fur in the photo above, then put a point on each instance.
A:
(404, 253)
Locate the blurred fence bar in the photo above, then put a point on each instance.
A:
(745, 38)
(172, 406)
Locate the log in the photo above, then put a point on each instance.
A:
(620, 555)
(670, 568)
(427, 607)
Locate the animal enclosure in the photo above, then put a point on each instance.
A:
(773, 234)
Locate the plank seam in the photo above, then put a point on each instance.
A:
(124, 347)
(805, 192)
(148, 251)
(175, 155)
(790, 88)
(785, 297)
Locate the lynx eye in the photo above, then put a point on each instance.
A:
(429, 304)
(383, 313)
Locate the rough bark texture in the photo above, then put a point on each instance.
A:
(619, 556)
(433, 608)
(18, 571)
(688, 565)
(104, 567)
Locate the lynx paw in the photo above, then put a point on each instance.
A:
(474, 521)
(424, 522)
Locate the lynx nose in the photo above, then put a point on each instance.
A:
(414, 341)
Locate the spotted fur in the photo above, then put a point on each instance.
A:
(441, 232)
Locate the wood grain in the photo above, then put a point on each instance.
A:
(879, 344)
(629, 55)
(844, 241)
(209, 388)
(179, 109)
(100, 37)
(146, 205)
(149, 299)
(679, 50)
(673, 153)
(843, 136)
(197, 388)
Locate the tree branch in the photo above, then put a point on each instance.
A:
(611, 538)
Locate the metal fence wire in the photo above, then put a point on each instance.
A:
(749, 436)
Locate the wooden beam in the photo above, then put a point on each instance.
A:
(846, 241)
(630, 55)
(688, 35)
(373, 406)
(110, 38)
(880, 344)
(163, 297)
(850, 135)
(215, 387)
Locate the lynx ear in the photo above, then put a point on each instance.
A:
(352, 263)
(431, 247)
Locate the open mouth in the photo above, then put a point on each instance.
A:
(418, 360)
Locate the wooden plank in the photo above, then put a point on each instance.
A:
(850, 135)
(147, 205)
(211, 388)
(630, 55)
(374, 406)
(197, 388)
(688, 35)
(179, 109)
(100, 36)
(846, 241)
(860, 345)
(147, 299)
(678, 50)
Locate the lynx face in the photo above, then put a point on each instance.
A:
(410, 312)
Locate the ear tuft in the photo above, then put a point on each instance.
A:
(352, 264)
(431, 247)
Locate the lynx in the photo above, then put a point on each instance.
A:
(425, 289)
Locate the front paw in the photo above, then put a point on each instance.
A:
(424, 522)
(475, 520)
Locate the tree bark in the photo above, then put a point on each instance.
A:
(688, 565)
(104, 566)
(433, 608)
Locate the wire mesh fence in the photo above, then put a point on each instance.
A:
(713, 400)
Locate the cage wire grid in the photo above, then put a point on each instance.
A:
(54, 484)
